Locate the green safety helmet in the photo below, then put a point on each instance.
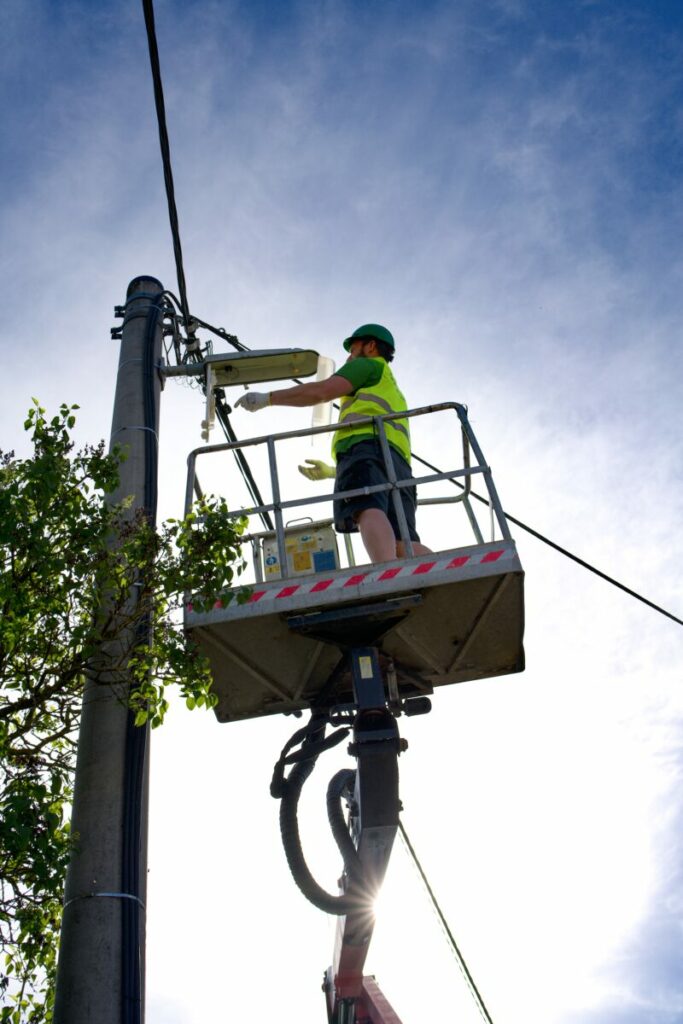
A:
(375, 331)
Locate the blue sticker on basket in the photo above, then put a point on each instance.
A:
(324, 560)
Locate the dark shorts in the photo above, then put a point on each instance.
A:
(363, 466)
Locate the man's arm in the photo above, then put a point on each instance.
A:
(313, 393)
(300, 395)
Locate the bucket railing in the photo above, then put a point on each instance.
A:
(461, 476)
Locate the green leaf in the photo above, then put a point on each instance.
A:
(81, 581)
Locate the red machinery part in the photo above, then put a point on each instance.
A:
(374, 1006)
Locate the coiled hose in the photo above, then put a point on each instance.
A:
(289, 790)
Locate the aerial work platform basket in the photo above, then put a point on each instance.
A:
(447, 617)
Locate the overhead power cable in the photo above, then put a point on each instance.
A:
(562, 551)
(222, 410)
(476, 995)
(148, 9)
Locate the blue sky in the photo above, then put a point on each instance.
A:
(499, 182)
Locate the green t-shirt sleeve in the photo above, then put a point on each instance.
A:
(361, 372)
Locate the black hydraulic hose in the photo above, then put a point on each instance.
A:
(289, 790)
(340, 786)
(291, 840)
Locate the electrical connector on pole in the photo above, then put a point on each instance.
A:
(192, 343)
(210, 418)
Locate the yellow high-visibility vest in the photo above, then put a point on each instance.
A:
(383, 397)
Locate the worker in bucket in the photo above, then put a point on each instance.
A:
(365, 387)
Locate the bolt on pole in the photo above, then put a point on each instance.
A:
(100, 974)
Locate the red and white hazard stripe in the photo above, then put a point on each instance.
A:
(265, 592)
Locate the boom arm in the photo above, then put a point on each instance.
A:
(351, 997)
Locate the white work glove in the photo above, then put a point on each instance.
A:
(254, 400)
(317, 470)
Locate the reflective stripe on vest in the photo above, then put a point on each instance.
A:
(383, 397)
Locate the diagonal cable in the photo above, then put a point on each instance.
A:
(476, 995)
(148, 9)
(562, 551)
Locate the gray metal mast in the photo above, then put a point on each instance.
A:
(100, 976)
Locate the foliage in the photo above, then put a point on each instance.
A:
(79, 575)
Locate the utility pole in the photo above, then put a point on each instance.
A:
(100, 975)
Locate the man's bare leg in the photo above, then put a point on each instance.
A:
(418, 549)
(379, 540)
(377, 535)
